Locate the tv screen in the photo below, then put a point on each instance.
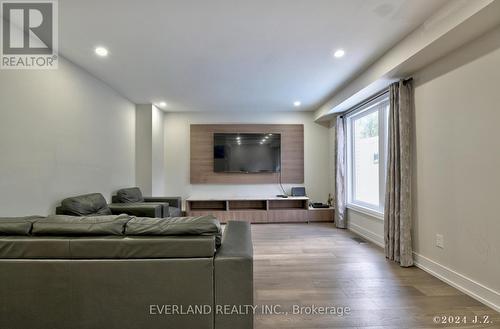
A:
(247, 153)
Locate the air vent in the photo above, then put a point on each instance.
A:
(359, 240)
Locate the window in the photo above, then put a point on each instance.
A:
(366, 156)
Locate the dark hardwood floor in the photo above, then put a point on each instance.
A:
(306, 264)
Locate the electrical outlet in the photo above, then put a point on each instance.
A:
(440, 241)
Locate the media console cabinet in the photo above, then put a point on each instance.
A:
(258, 209)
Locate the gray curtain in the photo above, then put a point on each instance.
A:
(340, 197)
(398, 209)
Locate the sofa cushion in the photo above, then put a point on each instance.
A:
(139, 247)
(61, 225)
(130, 195)
(85, 205)
(202, 225)
(17, 225)
(13, 247)
(106, 247)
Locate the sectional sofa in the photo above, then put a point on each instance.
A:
(118, 271)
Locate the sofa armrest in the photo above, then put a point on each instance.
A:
(139, 210)
(233, 268)
(59, 210)
(175, 201)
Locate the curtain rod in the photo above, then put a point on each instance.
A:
(372, 97)
(366, 101)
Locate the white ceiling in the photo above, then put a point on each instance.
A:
(222, 55)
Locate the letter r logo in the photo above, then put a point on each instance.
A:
(27, 28)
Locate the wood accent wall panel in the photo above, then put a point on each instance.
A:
(202, 162)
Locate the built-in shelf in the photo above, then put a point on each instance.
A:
(288, 204)
(247, 204)
(209, 205)
(257, 209)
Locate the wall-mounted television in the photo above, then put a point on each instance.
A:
(247, 152)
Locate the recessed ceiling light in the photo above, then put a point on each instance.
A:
(297, 103)
(101, 51)
(162, 104)
(339, 53)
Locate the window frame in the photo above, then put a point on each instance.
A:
(383, 122)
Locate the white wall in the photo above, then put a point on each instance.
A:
(456, 170)
(149, 150)
(158, 153)
(144, 147)
(457, 167)
(62, 133)
(177, 154)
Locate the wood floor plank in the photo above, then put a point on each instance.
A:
(306, 264)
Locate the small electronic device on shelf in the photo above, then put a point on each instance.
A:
(298, 191)
(318, 205)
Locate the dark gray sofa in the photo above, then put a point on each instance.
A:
(123, 272)
(95, 204)
(171, 206)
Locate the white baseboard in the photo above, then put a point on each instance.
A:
(368, 235)
(466, 285)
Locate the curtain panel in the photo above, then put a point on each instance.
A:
(398, 207)
(340, 172)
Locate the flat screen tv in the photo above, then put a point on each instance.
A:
(247, 153)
